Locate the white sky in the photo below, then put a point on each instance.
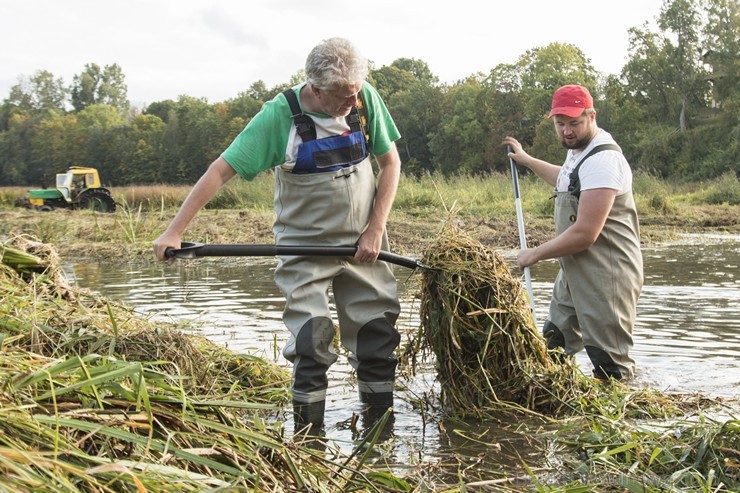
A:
(215, 49)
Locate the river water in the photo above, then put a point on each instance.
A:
(687, 335)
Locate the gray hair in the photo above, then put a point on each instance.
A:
(335, 62)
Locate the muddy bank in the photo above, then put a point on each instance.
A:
(127, 236)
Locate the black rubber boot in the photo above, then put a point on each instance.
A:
(377, 399)
(604, 366)
(375, 407)
(555, 339)
(308, 418)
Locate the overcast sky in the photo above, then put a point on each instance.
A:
(215, 49)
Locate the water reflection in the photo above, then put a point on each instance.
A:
(687, 336)
(687, 333)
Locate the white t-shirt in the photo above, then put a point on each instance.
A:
(605, 169)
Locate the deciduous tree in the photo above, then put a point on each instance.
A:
(100, 86)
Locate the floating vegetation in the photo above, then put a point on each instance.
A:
(692, 454)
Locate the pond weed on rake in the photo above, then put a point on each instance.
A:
(477, 319)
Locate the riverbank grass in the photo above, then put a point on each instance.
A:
(94, 397)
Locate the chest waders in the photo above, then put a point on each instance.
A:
(594, 301)
(327, 199)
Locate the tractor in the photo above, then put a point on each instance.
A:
(78, 188)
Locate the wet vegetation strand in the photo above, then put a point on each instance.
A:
(477, 319)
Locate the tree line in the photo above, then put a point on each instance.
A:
(673, 108)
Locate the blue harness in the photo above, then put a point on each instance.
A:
(330, 153)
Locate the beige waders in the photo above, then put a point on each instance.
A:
(594, 302)
(332, 209)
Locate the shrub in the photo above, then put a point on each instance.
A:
(651, 193)
(724, 190)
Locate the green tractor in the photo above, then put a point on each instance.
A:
(78, 188)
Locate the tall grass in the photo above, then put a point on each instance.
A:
(722, 190)
(486, 195)
(144, 211)
(8, 195)
(653, 194)
(151, 197)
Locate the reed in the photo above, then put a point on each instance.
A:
(93, 397)
(692, 453)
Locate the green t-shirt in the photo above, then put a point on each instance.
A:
(270, 138)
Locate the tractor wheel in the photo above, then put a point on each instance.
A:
(97, 200)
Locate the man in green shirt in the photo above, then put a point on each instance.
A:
(326, 193)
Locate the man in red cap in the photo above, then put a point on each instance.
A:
(595, 293)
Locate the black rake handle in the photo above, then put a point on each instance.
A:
(197, 250)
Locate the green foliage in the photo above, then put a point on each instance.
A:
(416, 115)
(723, 190)
(546, 145)
(673, 109)
(390, 80)
(545, 69)
(38, 93)
(100, 86)
(459, 143)
(243, 107)
(651, 193)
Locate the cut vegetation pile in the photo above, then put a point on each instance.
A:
(95, 398)
(477, 320)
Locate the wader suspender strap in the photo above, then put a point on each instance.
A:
(575, 182)
(362, 117)
(304, 124)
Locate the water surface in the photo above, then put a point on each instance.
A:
(687, 335)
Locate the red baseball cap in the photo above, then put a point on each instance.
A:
(571, 100)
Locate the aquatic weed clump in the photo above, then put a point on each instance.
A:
(477, 320)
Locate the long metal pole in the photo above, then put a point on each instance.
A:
(522, 236)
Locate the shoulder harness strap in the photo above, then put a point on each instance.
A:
(362, 117)
(303, 123)
(575, 182)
